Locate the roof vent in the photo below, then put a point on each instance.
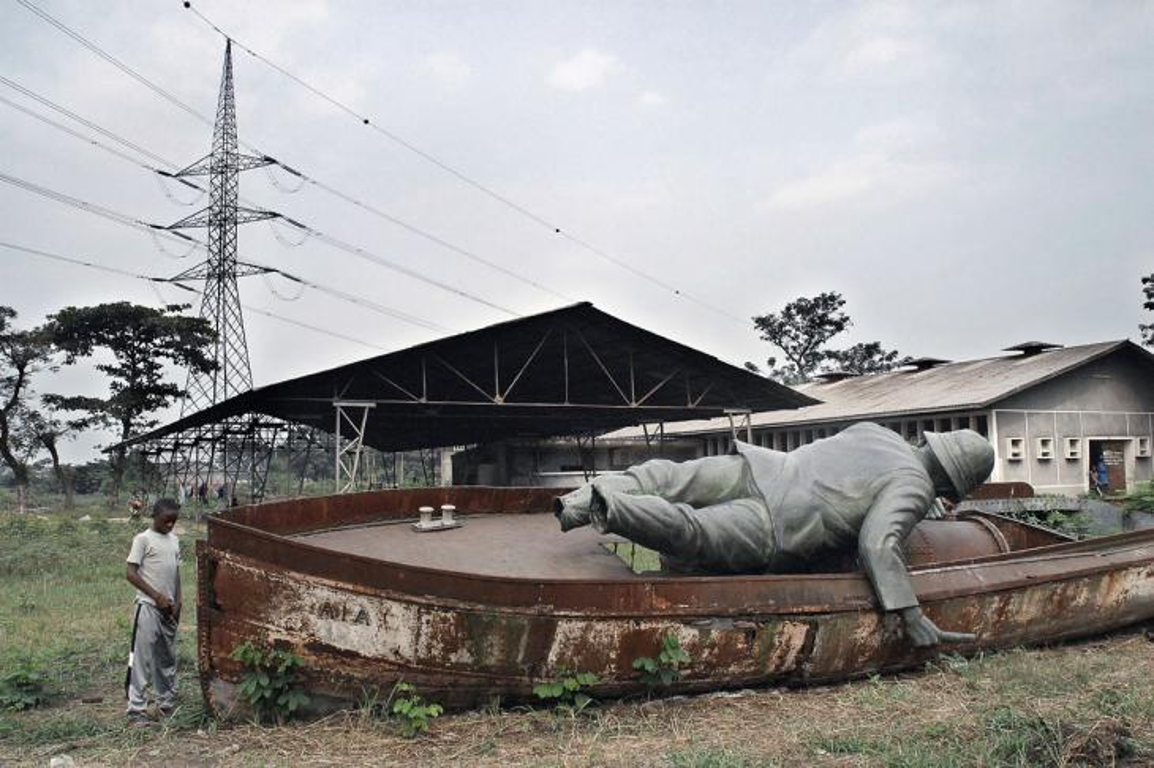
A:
(1031, 348)
(925, 363)
(829, 377)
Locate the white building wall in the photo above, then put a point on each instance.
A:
(1023, 432)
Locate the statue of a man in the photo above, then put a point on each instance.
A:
(764, 511)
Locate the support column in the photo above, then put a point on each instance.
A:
(347, 450)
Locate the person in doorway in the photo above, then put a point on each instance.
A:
(1101, 476)
(153, 567)
(759, 510)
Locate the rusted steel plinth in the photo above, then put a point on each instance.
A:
(343, 582)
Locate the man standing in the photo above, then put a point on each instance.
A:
(154, 569)
(759, 510)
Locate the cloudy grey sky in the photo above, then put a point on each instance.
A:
(968, 175)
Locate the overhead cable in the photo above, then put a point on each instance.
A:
(465, 178)
(289, 169)
(126, 220)
(154, 280)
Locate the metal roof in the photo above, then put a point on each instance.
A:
(573, 370)
(966, 385)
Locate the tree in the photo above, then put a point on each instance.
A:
(22, 353)
(140, 340)
(801, 331)
(863, 358)
(48, 432)
(1147, 329)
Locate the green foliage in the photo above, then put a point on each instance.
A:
(141, 341)
(270, 681)
(412, 711)
(1142, 499)
(801, 331)
(567, 691)
(665, 670)
(23, 688)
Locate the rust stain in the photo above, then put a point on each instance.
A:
(363, 624)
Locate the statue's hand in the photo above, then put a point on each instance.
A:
(923, 633)
(936, 511)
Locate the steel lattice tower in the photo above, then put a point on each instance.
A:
(239, 447)
(220, 303)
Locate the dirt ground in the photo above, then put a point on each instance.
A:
(1085, 703)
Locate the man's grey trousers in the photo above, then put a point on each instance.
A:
(704, 514)
(153, 660)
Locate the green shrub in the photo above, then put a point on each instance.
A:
(567, 691)
(665, 669)
(270, 681)
(1142, 499)
(23, 688)
(412, 711)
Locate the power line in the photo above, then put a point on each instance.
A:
(166, 95)
(158, 231)
(154, 280)
(126, 220)
(172, 98)
(85, 122)
(463, 177)
(508, 202)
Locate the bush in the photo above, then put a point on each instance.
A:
(23, 688)
(665, 669)
(269, 684)
(414, 713)
(567, 691)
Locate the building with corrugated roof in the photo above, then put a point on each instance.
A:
(1052, 413)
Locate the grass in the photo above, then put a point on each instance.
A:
(65, 610)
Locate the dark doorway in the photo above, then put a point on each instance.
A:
(1110, 455)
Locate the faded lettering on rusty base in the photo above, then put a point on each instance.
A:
(334, 611)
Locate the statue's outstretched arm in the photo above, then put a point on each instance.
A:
(898, 507)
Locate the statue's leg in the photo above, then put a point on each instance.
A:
(699, 482)
(731, 537)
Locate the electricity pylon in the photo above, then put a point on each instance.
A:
(223, 452)
(220, 303)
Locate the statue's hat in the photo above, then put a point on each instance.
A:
(967, 457)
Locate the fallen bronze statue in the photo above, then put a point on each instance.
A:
(822, 564)
(764, 511)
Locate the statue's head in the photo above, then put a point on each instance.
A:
(966, 457)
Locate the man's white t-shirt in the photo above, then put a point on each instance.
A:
(157, 557)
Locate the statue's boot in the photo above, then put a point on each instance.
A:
(575, 509)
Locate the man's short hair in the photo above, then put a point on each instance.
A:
(165, 504)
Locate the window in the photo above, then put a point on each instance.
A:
(1073, 448)
(1015, 448)
(1143, 448)
(1045, 448)
(983, 426)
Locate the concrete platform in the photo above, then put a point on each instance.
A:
(518, 546)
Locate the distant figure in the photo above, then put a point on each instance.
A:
(1100, 476)
(202, 492)
(220, 489)
(154, 569)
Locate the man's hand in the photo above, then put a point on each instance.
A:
(923, 633)
(163, 603)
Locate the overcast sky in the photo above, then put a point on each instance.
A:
(968, 175)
